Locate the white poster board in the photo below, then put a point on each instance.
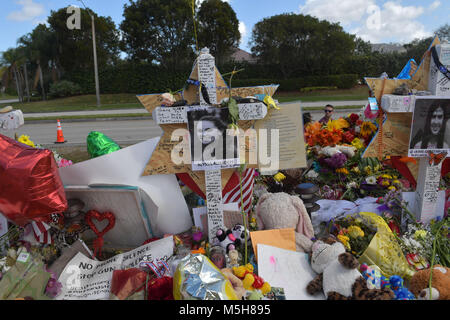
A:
(87, 279)
(287, 269)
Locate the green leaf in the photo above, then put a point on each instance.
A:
(234, 110)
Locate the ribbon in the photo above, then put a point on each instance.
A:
(92, 214)
(438, 63)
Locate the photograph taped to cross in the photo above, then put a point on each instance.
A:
(213, 146)
(430, 129)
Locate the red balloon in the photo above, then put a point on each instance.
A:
(30, 185)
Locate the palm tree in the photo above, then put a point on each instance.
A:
(11, 58)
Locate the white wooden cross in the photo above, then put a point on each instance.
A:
(170, 115)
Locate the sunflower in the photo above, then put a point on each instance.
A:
(367, 128)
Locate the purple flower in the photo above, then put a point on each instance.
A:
(336, 161)
(53, 288)
(383, 207)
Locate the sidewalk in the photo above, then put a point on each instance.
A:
(142, 111)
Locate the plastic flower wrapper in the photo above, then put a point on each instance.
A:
(197, 278)
(367, 236)
(98, 144)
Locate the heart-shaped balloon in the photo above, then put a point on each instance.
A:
(93, 214)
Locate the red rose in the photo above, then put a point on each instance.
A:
(394, 227)
(359, 122)
(354, 117)
(348, 137)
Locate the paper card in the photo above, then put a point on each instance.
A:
(67, 254)
(290, 143)
(87, 279)
(207, 76)
(199, 212)
(373, 104)
(280, 238)
(438, 83)
(125, 166)
(287, 269)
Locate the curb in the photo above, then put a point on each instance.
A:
(31, 121)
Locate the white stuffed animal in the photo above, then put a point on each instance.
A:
(280, 211)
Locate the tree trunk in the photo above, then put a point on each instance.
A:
(16, 76)
(26, 81)
(41, 78)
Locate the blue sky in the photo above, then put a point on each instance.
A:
(373, 20)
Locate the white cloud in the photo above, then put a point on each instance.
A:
(390, 22)
(242, 29)
(434, 5)
(343, 11)
(29, 11)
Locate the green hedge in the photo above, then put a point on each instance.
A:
(343, 81)
(142, 78)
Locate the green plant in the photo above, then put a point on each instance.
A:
(63, 89)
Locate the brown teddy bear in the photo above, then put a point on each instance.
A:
(440, 284)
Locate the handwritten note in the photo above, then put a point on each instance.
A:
(214, 206)
(165, 115)
(427, 190)
(207, 76)
(252, 111)
(438, 83)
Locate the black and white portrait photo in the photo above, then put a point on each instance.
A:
(430, 128)
(212, 145)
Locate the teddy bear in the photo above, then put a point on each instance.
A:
(440, 283)
(338, 276)
(250, 280)
(281, 210)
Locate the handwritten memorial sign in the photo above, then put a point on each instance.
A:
(87, 279)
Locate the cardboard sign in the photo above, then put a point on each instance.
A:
(87, 279)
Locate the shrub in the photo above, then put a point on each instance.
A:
(63, 89)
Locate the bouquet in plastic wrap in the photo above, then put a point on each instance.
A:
(367, 236)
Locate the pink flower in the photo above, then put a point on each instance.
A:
(64, 163)
(368, 113)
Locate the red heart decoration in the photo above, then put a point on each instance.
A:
(93, 214)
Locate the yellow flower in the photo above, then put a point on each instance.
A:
(268, 100)
(386, 176)
(377, 167)
(356, 169)
(367, 128)
(355, 231)
(420, 234)
(368, 170)
(26, 140)
(385, 183)
(392, 188)
(337, 124)
(342, 170)
(279, 177)
(344, 240)
(357, 143)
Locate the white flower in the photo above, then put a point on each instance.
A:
(351, 185)
(371, 180)
(312, 174)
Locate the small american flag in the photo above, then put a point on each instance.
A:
(41, 232)
(234, 195)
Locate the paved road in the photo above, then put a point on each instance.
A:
(122, 131)
(8, 101)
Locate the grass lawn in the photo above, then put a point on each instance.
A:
(357, 93)
(129, 101)
(81, 103)
(7, 97)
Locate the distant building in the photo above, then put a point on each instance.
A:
(240, 55)
(387, 47)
